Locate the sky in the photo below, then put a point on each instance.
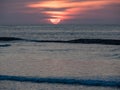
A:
(26, 12)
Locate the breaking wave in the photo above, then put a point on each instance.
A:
(81, 41)
(68, 81)
(5, 45)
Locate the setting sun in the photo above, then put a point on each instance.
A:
(55, 21)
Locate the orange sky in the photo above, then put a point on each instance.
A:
(66, 9)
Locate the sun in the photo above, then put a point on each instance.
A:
(55, 20)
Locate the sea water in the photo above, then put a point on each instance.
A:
(65, 61)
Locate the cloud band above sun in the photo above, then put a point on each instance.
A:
(66, 9)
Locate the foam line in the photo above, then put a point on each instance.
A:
(68, 81)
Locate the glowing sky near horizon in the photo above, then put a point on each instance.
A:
(65, 10)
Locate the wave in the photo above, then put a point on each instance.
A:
(10, 38)
(68, 81)
(81, 41)
(96, 41)
(5, 45)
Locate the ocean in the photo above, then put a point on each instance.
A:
(60, 57)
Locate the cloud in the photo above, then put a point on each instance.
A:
(65, 8)
(62, 9)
